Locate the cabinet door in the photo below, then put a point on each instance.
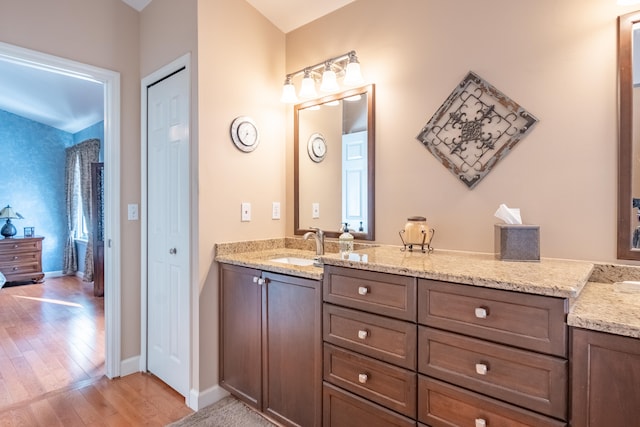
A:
(293, 350)
(606, 374)
(240, 333)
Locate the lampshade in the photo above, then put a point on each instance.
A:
(8, 213)
(289, 92)
(352, 76)
(329, 80)
(9, 230)
(308, 87)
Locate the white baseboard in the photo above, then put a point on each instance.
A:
(200, 399)
(130, 366)
(59, 273)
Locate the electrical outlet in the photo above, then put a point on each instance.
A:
(275, 210)
(315, 210)
(132, 212)
(246, 212)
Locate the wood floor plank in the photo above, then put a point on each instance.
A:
(52, 345)
(44, 414)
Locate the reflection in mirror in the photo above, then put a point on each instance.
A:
(334, 159)
(629, 137)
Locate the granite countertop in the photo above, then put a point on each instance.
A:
(258, 254)
(552, 277)
(601, 307)
(594, 301)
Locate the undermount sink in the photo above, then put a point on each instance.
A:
(291, 260)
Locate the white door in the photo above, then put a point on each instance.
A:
(354, 180)
(168, 231)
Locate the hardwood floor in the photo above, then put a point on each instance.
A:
(52, 364)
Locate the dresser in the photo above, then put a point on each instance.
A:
(21, 259)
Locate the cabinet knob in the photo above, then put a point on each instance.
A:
(173, 251)
(15, 258)
(15, 246)
(481, 369)
(363, 334)
(480, 422)
(482, 312)
(259, 280)
(363, 290)
(14, 268)
(363, 378)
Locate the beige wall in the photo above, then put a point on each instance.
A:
(241, 69)
(556, 58)
(103, 34)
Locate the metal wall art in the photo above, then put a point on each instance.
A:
(475, 128)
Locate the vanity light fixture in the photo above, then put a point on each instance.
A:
(328, 71)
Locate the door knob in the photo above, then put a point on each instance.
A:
(173, 251)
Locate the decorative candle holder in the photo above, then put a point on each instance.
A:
(417, 233)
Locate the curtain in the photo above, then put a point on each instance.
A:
(78, 181)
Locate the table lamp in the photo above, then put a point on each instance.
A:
(8, 230)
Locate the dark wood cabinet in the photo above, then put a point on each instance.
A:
(605, 380)
(21, 259)
(270, 343)
(370, 337)
(490, 347)
(241, 333)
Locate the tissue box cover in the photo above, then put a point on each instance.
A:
(517, 242)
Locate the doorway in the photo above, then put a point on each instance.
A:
(111, 83)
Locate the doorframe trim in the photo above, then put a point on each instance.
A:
(165, 71)
(112, 269)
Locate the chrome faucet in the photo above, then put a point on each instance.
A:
(319, 238)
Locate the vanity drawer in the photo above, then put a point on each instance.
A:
(532, 380)
(343, 409)
(533, 322)
(388, 385)
(441, 404)
(379, 293)
(390, 340)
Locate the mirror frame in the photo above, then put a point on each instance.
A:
(371, 137)
(625, 134)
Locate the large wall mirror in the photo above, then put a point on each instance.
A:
(629, 136)
(334, 158)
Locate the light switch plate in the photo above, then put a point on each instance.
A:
(132, 212)
(315, 210)
(275, 210)
(246, 211)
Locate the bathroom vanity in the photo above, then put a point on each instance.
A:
(441, 339)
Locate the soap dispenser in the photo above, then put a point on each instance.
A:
(345, 240)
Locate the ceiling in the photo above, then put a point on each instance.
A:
(71, 104)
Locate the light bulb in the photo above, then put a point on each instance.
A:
(288, 92)
(353, 76)
(308, 87)
(329, 80)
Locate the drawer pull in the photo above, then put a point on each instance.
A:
(15, 246)
(14, 268)
(481, 422)
(482, 312)
(481, 369)
(363, 290)
(363, 334)
(15, 258)
(363, 378)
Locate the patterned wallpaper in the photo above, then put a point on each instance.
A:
(32, 178)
